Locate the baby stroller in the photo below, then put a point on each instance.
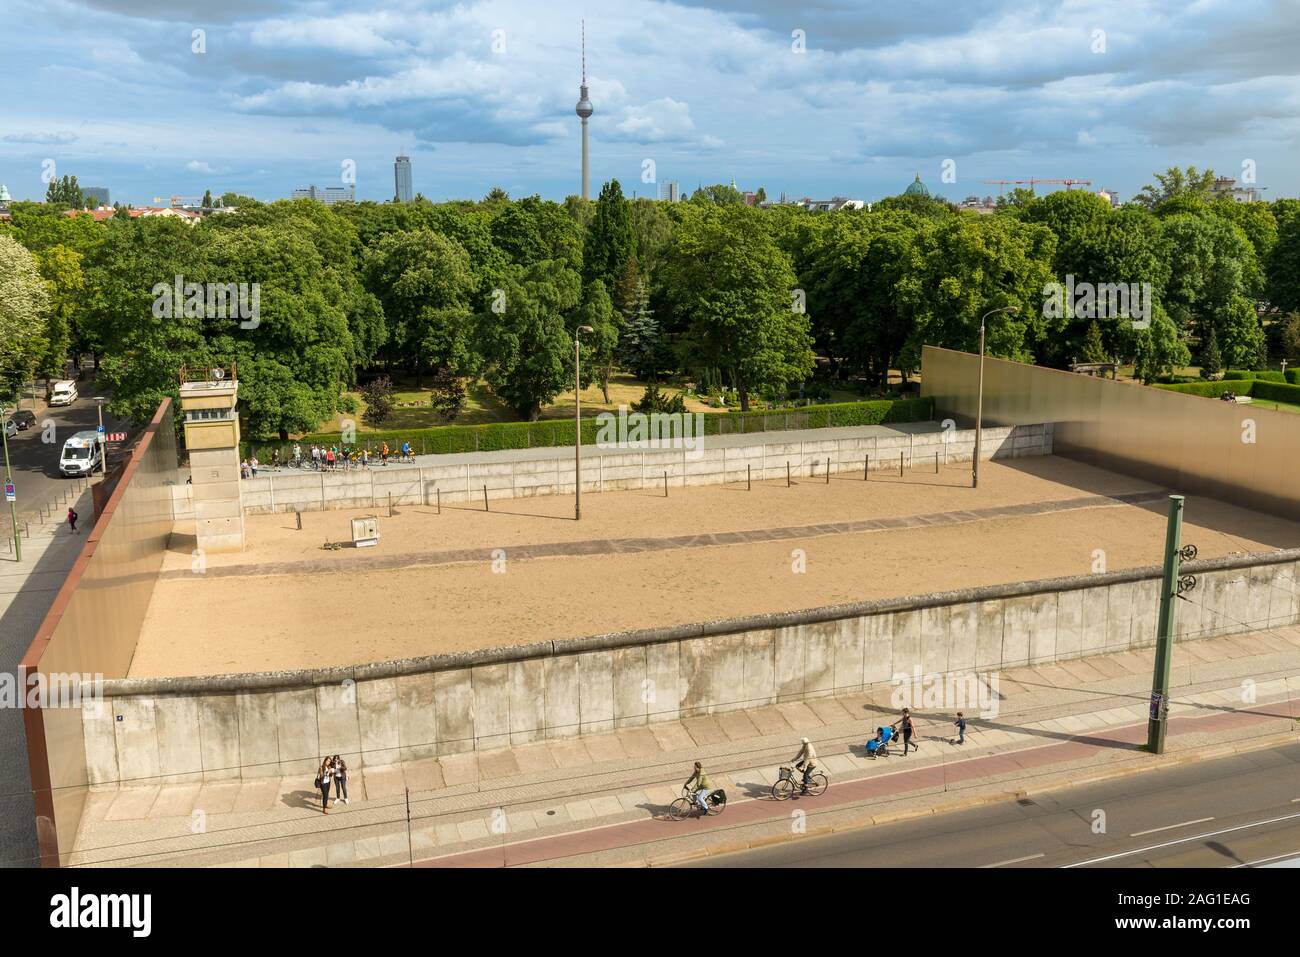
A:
(878, 747)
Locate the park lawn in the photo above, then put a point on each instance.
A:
(1279, 406)
(411, 408)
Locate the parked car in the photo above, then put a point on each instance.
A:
(24, 419)
(11, 428)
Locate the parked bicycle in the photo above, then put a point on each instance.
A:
(686, 805)
(787, 784)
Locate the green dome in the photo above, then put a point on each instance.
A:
(917, 188)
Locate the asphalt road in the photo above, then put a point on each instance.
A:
(1234, 811)
(34, 453)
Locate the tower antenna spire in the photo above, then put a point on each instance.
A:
(584, 110)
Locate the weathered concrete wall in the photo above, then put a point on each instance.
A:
(511, 475)
(280, 724)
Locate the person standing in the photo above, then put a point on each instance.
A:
(72, 519)
(340, 779)
(323, 778)
(961, 728)
(904, 724)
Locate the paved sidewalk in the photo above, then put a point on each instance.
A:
(601, 799)
(27, 589)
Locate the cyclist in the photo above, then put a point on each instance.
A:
(406, 452)
(806, 761)
(701, 787)
(297, 455)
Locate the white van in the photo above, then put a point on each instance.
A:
(82, 455)
(64, 392)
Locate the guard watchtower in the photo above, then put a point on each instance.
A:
(209, 401)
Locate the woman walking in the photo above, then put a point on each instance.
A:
(323, 778)
(340, 779)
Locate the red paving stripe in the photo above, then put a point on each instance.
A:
(898, 782)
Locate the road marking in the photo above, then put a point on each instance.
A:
(1016, 860)
(1183, 840)
(1265, 860)
(1170, 827)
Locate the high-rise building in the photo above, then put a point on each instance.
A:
(99, 193)
(671, 191)
(328, 195)
(584, 109)
(402, 179)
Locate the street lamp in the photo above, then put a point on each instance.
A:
(979, 406)
(577, 425)
(9, 478)
(99, 436)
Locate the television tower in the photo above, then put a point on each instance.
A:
(584, 110)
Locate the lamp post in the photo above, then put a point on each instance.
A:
(577, 424)
(979, 402)
(9, 478)
(99, 436)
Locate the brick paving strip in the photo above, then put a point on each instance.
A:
(617, 546)
(880, 787)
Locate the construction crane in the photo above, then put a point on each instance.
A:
(1067, 183)
(1000, 183)
(177, 201)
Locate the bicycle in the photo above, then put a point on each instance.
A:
(786, 786)
(685, 805)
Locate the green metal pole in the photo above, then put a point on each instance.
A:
(9, 477)
(1158, 720)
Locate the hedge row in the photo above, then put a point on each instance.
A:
(1255, 388)
(559, 432)
(1276, 391)
(1211, 389)
(1266, 376)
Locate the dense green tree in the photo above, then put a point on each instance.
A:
(734, 288)
(378, 397)
(719, 194)
(1158, 349)
(1066, 213)
(640, 337)
(1174, 183)
(1094, 350)
(1284, 267)
(600, 346)
(964, 267)
(61, 269)
(24, 312)
(524, 334)
(424, 282)
(65, 192)
(1211, 358)
(609, 241)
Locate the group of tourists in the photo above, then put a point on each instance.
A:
(331, 457)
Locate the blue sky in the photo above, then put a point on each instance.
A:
(481, 94)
